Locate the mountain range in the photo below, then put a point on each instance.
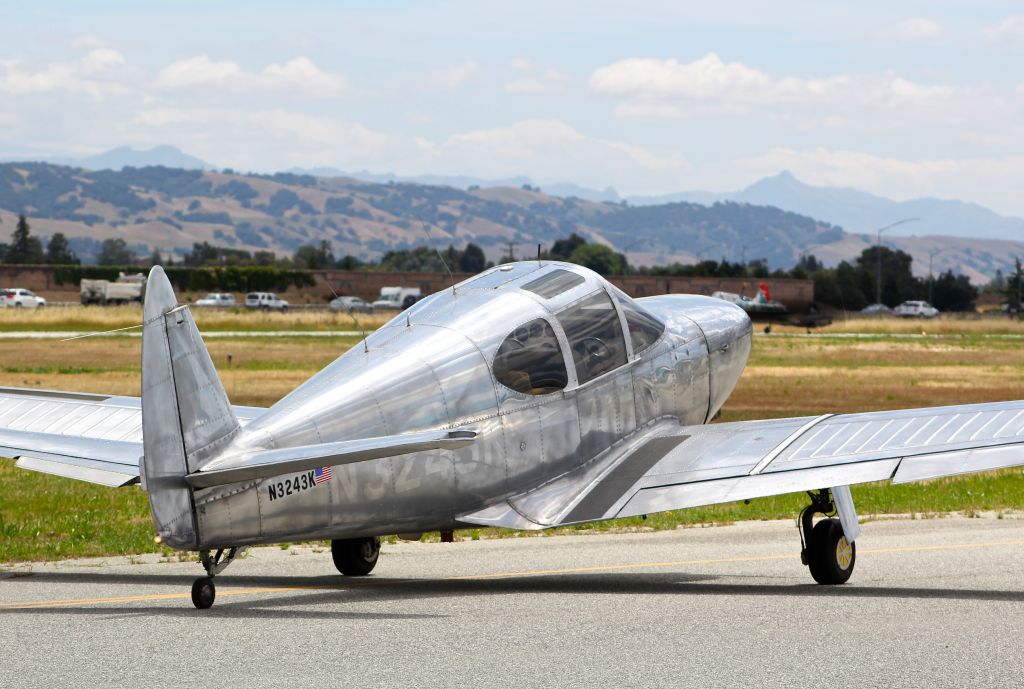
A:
(168, 209)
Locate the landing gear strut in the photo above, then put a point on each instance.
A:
(355, 557)
(203, 590)
(825, 549)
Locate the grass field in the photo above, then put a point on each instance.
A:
(789, 374)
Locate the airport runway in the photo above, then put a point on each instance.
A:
(932, 603)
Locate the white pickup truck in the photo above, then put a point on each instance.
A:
(397, 297)
(125, 289)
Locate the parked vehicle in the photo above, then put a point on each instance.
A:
(125, 289)
(217, 299)
(20, 298)
(397, 297)
(916, 309)
(265, 300)
(876, 310)
(350, 304)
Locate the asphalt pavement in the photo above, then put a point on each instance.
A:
(932, 603)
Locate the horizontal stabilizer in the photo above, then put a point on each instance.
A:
(266, 463)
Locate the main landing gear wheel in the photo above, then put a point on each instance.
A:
(203, 592)
(826, 551)
(355, 557)
(829, 555)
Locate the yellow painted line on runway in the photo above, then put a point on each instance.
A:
(495, 575)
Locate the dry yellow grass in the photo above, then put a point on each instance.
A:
(954, 324)
(98, 318)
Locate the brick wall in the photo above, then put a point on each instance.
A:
(795, 294)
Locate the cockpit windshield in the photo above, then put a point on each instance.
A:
(595, 336)
(644, 329)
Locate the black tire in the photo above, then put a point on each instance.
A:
(355, 557)
(830, 556)
(203, 592)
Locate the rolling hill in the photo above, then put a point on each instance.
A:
(169, 209)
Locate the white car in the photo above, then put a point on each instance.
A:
(350, 304)
(876, 310)
(20, 298)
(916, 309)
(217, 299)
(265, 300)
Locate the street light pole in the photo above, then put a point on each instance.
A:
(878, 253)
(931, 277)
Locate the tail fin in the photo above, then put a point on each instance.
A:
(186, 416)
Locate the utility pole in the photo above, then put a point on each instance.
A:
(512, 251)
(878, 253)
(1020, 292)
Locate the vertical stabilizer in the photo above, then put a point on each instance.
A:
(186, 416)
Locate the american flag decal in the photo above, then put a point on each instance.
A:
(321, 475)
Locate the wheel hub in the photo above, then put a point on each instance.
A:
(844, 553)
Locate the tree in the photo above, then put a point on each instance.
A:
(58, 251)
(898, 282)
(24, 247)
(314, 257)
(473, 259)
(562, 248)
(115, 252)
(598, 257)
(953, 292)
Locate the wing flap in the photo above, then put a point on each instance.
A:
(103, 473)
(268, 463)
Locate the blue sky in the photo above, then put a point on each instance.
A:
(902, 99)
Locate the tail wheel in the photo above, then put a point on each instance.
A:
(829, 555)
(355, 557)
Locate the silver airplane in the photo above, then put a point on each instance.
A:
(531, 396)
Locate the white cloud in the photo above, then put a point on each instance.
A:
(94, 75)
(299, 75)
(102, 62)
(547, 82)
(553, 150)
(262, 138)
(652, 87)
(199, 71)
(915, 29)
(1009, 29)
(454, 77)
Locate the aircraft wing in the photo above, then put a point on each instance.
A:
(94, 438)
(669, 467)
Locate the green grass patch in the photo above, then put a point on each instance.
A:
(49, 518)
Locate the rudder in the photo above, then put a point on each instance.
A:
(186, 415)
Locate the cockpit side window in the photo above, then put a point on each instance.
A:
(644, 329)
(530, 360)
(595, 336)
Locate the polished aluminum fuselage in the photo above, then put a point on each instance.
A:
(431, 368)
